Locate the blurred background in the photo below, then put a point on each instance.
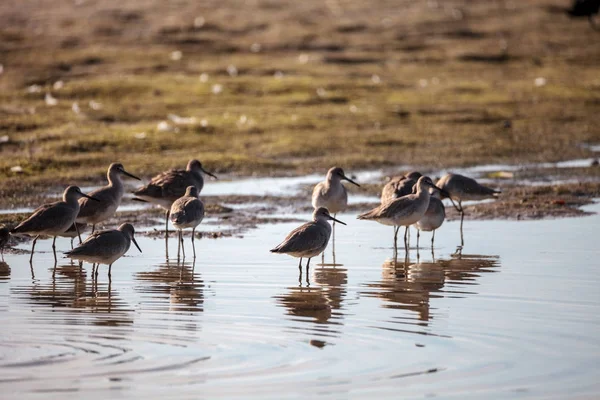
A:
(286, 87)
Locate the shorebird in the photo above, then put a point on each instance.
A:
(461, 188)
(4, 237)
(403, 211)
(309, 239)
(187, 212)
(330, 193)
(399, 186)
(52, 219)
(110, 198)
(105, 247)
(168, 186)
(433, 217)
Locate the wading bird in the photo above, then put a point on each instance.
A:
(105, 247)
(187, 212)
(309, 239)
(170, 185)
(110, 198)
(52, 219)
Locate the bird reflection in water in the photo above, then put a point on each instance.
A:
(411, 287)
(4, 271)
(69, 290)
(177, 282)
(320, 306)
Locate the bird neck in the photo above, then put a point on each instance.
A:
(333, 180)
(422, 191)
(114, 179)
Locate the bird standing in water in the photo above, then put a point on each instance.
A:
(168, 186)
(110, 198)
(52, 219)
(309, 239)
(187, 212)
(105, 247)
(403, 211)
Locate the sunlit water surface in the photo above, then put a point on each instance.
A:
(515, 315)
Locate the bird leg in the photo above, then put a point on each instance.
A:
(432, 238)
(418, 236)
(167, 224)
(406, 239)
(300, 265)
(182, 244)
(78, 234)
(396, 229)
(54, 250)
(33, 249)
(178, 244)
(193, 245)
(109, 272)
(307, 280)
(462, 239)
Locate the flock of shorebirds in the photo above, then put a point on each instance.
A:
(411, 199)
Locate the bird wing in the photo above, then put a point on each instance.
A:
(89, 207)
(306, 237)
(393, 209)
(169, 185)
(471, 186)
(47, 216)
(101, 243)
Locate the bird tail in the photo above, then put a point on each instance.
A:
(276, 249)
(367, 215)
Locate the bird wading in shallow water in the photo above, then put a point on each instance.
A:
(403, 211)
(94, 212)
(170, 185)
(105, 247)
(187, 212)
(309, 239)
(433, 217)
(461, 188)
(52, 219)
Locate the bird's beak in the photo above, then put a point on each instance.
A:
(89, 197)
(337, 220)
(208, 173)
(351, 181)
(136, 245)
(130, 175)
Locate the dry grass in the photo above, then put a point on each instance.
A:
(354, 83)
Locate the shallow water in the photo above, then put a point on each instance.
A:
(515, 315)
